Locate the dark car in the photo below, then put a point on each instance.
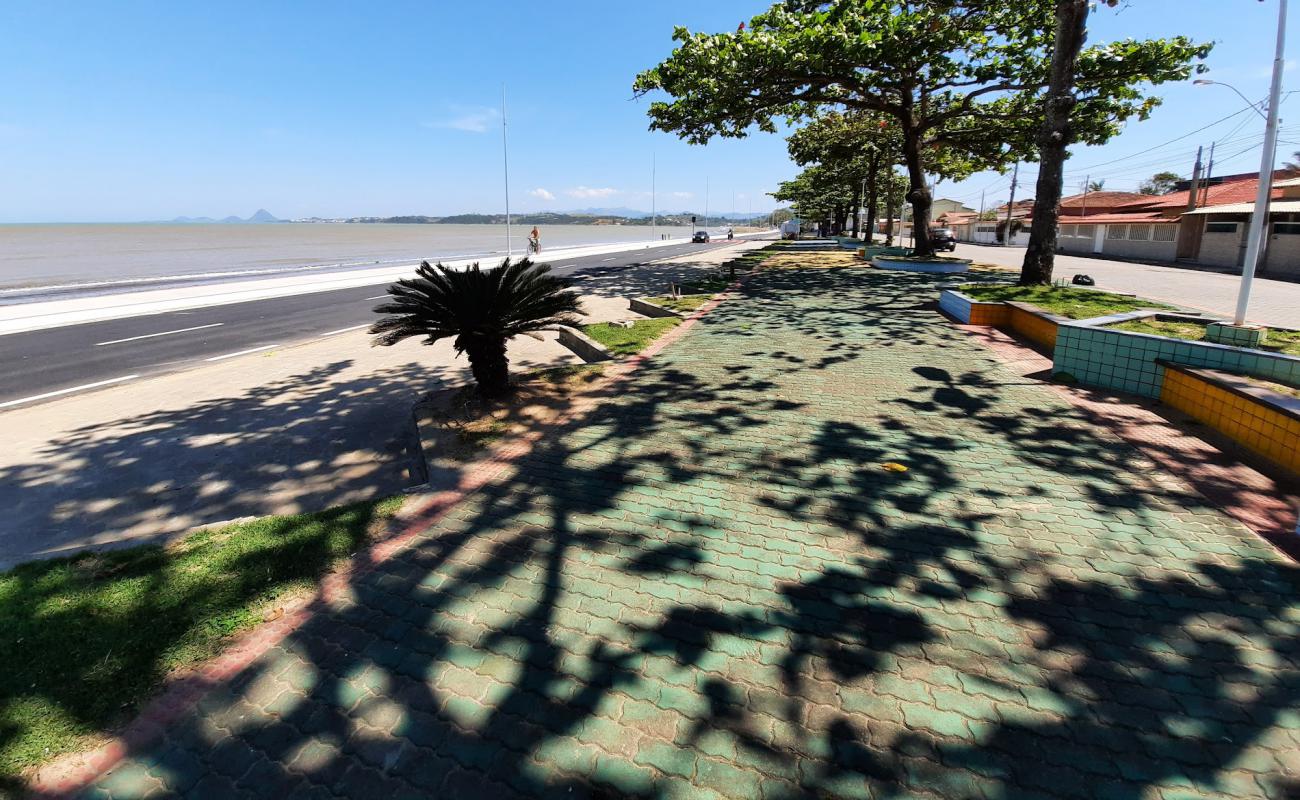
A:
(943, 239)
(700, 236)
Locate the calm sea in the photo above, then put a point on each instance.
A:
(41, 261)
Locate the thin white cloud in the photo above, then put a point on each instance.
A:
(542, 194)
(587, 192)
(470, 120)
(684, 195)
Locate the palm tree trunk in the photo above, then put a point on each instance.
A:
(491, 367)
(1053, 138)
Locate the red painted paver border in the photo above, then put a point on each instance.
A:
(73, 772)
(1264, 505)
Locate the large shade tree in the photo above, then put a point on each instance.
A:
(963, 76)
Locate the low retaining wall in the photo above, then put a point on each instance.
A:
(647, 309)
(583, 346)
(1034, 324)
(1023, 319)
(1264, 422)
(1129, 362)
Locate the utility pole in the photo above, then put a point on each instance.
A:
(1087, 182)
(1257, 219)
(1209, 173)
(978, 218)
(706, 202)
(1011, 205)
(505, 160)
(1196, 182)
(654, 219)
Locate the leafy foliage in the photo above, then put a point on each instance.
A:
(1159, 183)
(963, 77)
(480, 308)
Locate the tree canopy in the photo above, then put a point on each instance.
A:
(1159, 183)
(960, 77)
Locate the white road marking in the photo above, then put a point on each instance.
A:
(378, 297)
(611, 258)
(164, 333)
(83, 387)
(242, 352)
(565, 266)
(345, 330)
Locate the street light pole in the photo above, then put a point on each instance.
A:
(1258, 221)
(654, 218)
(505, 161)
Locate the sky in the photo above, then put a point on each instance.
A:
(131, 111)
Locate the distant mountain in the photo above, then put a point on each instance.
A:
(629, 213)
(261, 215)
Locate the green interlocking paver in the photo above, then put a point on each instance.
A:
(710, 586)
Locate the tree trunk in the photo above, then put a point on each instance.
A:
(857, 208)
(491, 367)
(918, 193)
(1053, 137)
(872, 195)
(890, 211)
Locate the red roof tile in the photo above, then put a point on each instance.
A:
(1101, 199)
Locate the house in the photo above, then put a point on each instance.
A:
(945, 206)
(1162, 228)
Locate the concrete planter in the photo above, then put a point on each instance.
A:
(936, 265)
(583, 346)
(647, 309)
(1132, 362)
(1257, 418)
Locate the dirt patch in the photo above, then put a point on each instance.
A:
(828, 259)
(457, 426)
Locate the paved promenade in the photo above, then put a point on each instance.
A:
(716, 587)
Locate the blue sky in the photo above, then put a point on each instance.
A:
(149, 110)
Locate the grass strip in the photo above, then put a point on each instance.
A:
(1067, 301)
(1278, 341)
(87, 639)
(629, 341)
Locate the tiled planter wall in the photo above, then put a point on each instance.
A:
(1127, 361)
(971, 312)
(1034, 324)
(1264, 422)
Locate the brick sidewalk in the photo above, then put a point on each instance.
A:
(712, 587)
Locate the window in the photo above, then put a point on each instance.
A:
(1139, 233)
(1220, 227)
(1286, 228)
(986, 229)
(1067, 231)
(1087, 230)
(1164, 233)
(1116, 231)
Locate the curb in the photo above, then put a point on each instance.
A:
(648, 309)
(73, 772)
(583, 346)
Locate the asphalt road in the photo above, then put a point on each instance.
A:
(40, 365)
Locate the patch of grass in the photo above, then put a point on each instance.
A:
(709, 285)
(682, 305)
(1279, 341)
(630, 341)
(88, 638)
(1067, 301)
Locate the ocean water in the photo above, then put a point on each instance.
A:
(42, 261)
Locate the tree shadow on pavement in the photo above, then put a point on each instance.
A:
(302, 443)
(712, 585)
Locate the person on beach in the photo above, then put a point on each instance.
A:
(535, 241)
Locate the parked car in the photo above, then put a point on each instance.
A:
(700, 237)
(943, 239)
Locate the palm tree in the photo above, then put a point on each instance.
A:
(482, 308)
(1293, 166)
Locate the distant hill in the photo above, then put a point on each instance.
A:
(260, 215)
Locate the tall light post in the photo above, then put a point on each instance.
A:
(505, 161)
(654, 215)
(1259, 219)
